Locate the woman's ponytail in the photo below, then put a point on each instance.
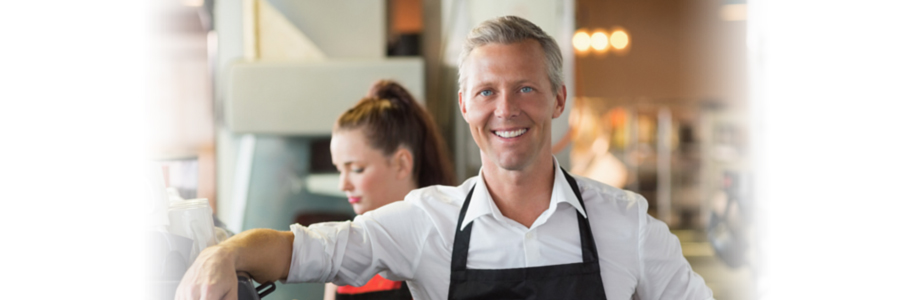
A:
(392, 118)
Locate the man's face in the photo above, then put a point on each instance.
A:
(509, 103)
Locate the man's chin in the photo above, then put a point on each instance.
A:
(511, 162)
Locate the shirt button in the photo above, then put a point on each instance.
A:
(528, 235)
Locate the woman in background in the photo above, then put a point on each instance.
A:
(384, 147)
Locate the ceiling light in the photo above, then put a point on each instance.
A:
(599, 41)
(619, 39)
(581, 41)
(733, 12)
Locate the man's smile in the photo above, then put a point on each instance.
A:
(510, 133)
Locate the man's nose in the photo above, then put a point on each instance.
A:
(507, 106)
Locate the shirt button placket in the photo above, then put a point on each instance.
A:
(532, 251)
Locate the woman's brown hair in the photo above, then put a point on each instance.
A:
(391, 118)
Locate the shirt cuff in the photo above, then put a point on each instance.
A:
(313, 257)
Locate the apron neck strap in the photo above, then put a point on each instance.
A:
(461, 241)
(588, 248)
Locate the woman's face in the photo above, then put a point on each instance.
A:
(368, 177)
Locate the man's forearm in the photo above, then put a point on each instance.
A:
(263, 253)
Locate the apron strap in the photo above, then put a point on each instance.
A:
(588, 247)
(461, 239)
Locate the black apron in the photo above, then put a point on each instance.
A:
(567, 281)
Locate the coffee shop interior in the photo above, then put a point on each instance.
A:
(664, 99)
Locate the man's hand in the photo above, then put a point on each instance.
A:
(264, 253)
(212, 276)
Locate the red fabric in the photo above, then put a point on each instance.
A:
(376, 284)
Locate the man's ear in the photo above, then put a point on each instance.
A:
(462, 104)
(560, 101)
(403, 163)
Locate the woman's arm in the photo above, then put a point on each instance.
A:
(265, 254)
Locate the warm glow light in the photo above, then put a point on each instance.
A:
(619, 39)
(733, 12)
(599, 41)
(581, 41)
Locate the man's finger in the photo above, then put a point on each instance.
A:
(208, 292)
(232, 294)
(186, 292)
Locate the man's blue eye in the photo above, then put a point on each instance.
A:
(527, 89)
(486, 93)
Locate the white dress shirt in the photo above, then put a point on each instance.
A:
(412, 240)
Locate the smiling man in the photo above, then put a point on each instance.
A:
(522, 229)
(508, 100)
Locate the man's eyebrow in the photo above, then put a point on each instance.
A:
(481, 86)
(523, 81)
(478, 87)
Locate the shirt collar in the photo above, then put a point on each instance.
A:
(482, 203)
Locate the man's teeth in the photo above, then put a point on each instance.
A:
(510, 134)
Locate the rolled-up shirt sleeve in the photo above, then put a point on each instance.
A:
(388, 239)
(665, 273)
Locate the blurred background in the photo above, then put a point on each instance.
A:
(759, 131)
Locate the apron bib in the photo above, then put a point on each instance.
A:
(567, 281)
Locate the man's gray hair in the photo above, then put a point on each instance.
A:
(509, 30)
